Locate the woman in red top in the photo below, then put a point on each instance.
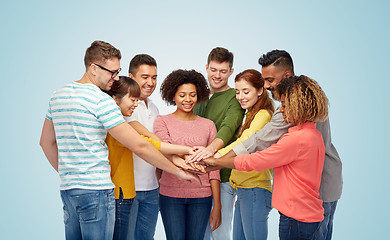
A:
(297, 159)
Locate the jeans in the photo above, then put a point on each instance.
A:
(251, 214)
(143, 215)
(326, 226)
(185, 218)
(224, 232)
(88, 214)
(291, 229)
(122, 216)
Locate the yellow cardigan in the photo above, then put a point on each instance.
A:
(243, 179)
(122, 168)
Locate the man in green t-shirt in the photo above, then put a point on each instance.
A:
(226, 113)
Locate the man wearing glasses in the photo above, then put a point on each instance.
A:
(73, 134)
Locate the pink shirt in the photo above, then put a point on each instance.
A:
(297, 159)
(200, 132)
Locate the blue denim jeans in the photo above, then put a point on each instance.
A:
(326, 226)
(185, 218)
(291, 229)
(143, 215)
(88, 214)
(251, 214)
(224, 232)
(122, 216)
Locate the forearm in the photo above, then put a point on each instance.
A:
(225, 162)
(215, 145)
(48, 143)
(51, 153)
(216, 191)
(143, 130)
(167, 148)
(126, 135)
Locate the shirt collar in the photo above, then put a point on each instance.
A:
(305, 125)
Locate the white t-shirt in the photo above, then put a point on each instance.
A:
(144, 173)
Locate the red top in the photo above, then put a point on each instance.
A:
(297, 159)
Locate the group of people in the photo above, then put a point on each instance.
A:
(120, 162)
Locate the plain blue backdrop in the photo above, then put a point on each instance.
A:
(344, 45)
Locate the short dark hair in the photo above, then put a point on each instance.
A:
(278, 58)
(139, 60)
(179, 77)
(124, 86)
(99, 52)
(220, 55)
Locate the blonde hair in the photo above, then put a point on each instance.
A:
(305, 101)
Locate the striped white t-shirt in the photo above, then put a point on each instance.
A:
(82, 114)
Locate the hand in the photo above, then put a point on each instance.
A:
(193, 168)
(195, 149)
(215, 218)
(210, 161)
(217, 155)
(183, 175)
(199, 155)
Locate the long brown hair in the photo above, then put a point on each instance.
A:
(254, 78)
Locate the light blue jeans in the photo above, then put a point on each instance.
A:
(326, 226)
(143, 215)
(89, 214)
(251, 214)
(224, 232)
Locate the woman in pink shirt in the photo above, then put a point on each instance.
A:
(185, 206)
(297, 159)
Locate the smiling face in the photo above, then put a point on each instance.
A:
(246, 94)
(146, 77)
(218, 75)
(186, 97)
(103, 78)
(272, 77)
(127, 104)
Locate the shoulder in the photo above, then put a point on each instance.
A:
(229, 94)
(164, 118)
(205, 121)
(263, 113)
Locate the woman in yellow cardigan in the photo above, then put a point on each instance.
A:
(125, 93)
(253, 188)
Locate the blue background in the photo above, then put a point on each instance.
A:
(344, 45)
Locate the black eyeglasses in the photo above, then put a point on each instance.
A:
(113, 73)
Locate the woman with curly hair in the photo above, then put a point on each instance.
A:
(185, 206)
(297, 159)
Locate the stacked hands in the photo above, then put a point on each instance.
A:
(199, 160)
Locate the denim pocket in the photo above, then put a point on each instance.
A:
(86, 205)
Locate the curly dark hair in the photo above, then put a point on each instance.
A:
(305, 100)
(179, 77)
(278, 58)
